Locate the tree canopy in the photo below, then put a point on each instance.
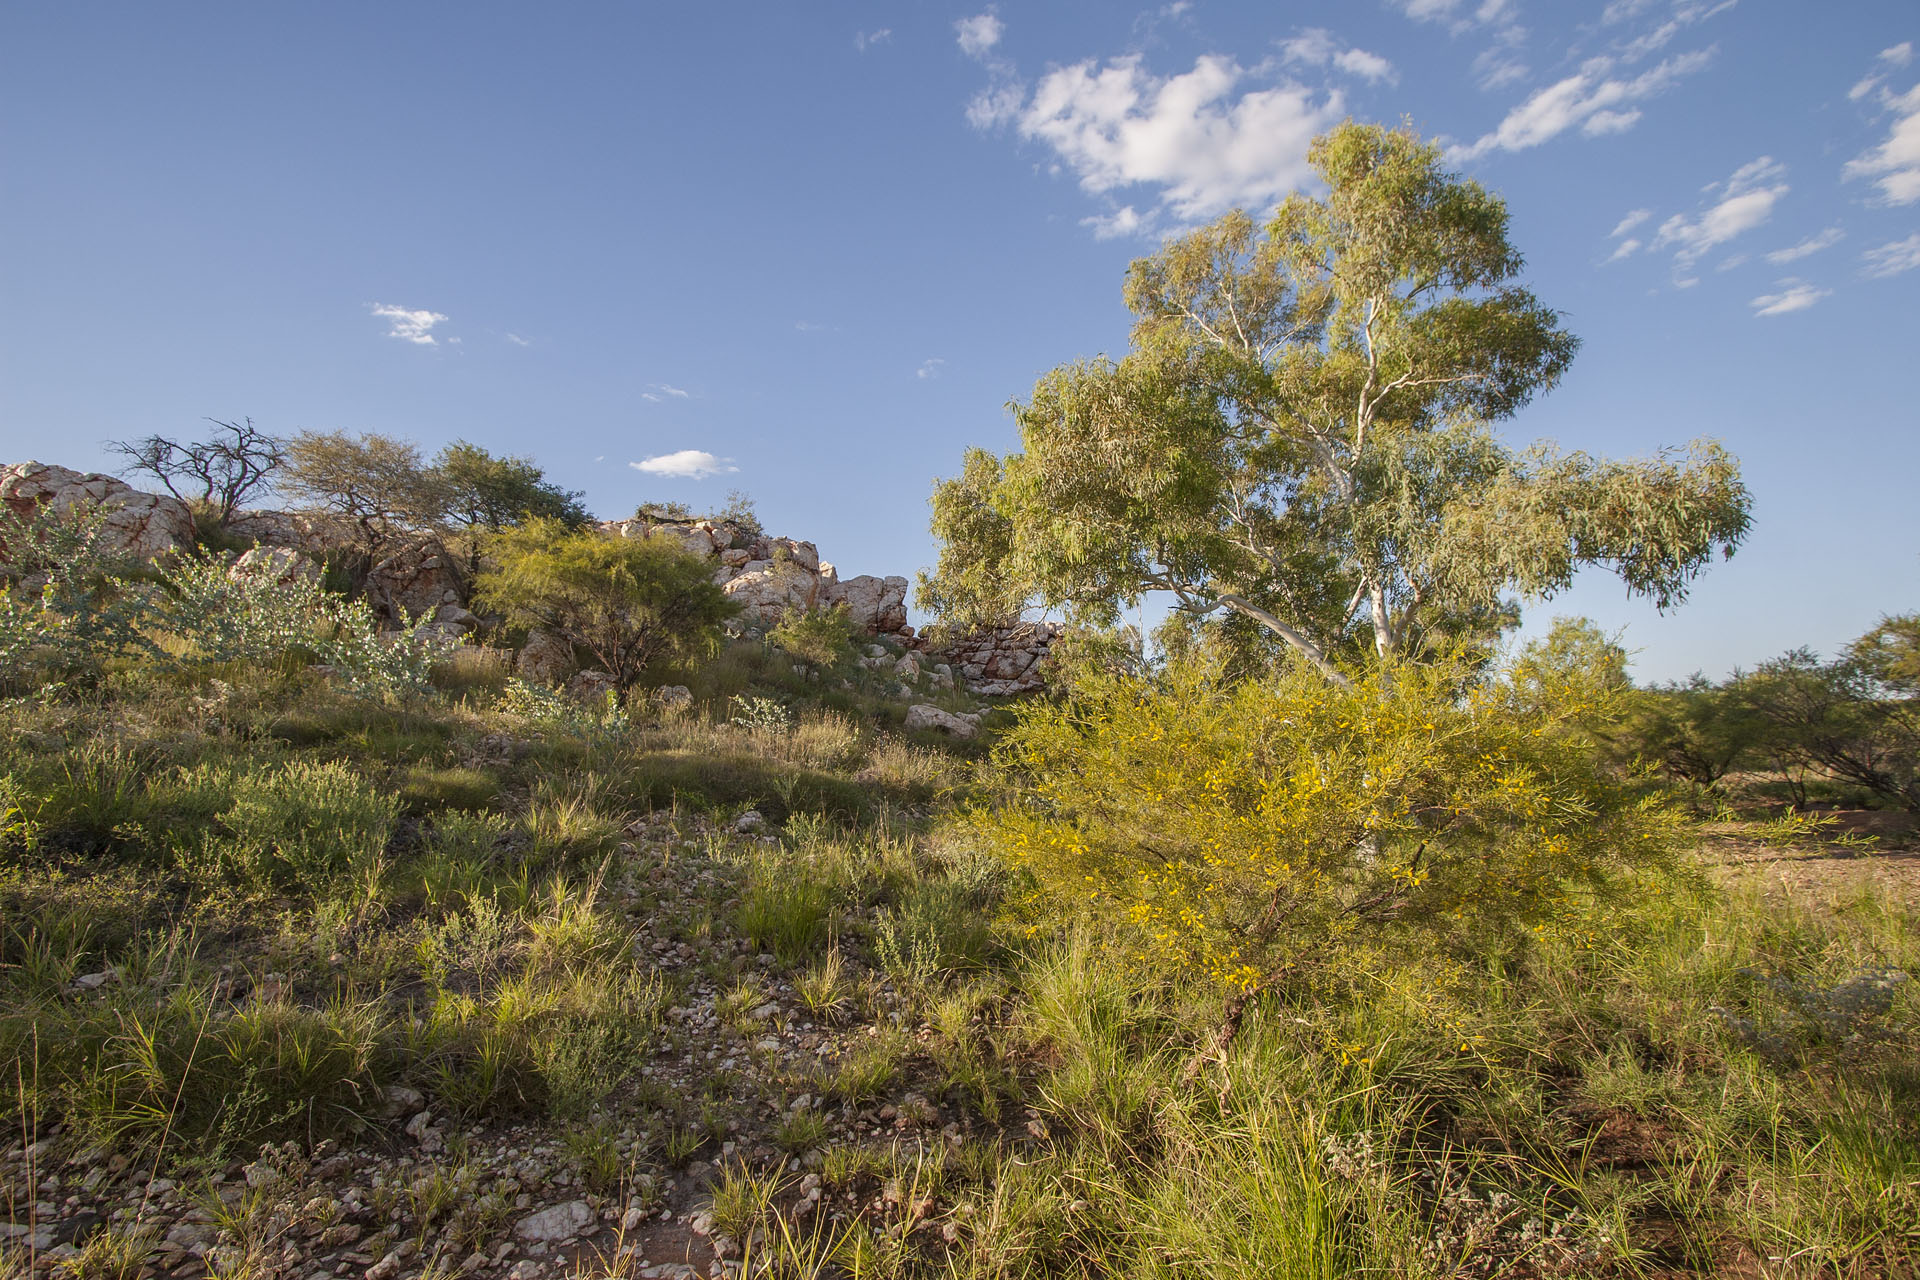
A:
(1302, 434)
(484, 491)
(629, 602)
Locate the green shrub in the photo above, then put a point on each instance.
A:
(306, 825)
(1231, 830)
(630, 602)
(823, 637)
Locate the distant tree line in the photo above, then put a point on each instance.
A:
(1817, 728)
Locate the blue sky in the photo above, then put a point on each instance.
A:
(813, 249)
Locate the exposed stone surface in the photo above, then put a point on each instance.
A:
(545, 659)
(559, 1223)
(142, 525)
(1005, 660)
(876, 605)
(591, 687)
(310, 531)
(280, 565)
(926, 716)
(418, 578)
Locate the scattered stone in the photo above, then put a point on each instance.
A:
(559, 1223)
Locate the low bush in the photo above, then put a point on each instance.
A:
(1232, 830)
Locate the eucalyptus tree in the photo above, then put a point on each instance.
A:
(1302, 433)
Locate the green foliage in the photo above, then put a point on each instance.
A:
(1302, 434)
(1697, 732)
(630, 602)
(306, 826)
(219, 617)
(1840, 718)
(487, 492)
(823, 637)
(381, 485)
(64, 603)
(1234, 830)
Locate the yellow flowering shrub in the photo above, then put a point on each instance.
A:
(1232, 829)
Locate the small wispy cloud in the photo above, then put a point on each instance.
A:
(1794, 295)
(408, 324)
(814, 326)
(1743, 202)
(1894, 165)
(685, 464)
(1594, 100)
(865, 40)
(1625, 249)
(977, 35)
(660, 392)
(1894, 58)
(1628, 222)
(929, 368)
(1893, 258)
(1317, 47)
(1811, 245)
(518, 341)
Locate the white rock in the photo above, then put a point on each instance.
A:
(926, 716)
(561, 1222)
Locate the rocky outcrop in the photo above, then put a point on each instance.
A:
(418, 578)
(1005, 660)
(313, 532)
(282, 566)
(140, 525)
(766, 576)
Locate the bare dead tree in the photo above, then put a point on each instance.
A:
(220, 473)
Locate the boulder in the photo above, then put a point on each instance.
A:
(767, 589)
(282, 566)
(313, 532)
(143, 525)
(545, 659)
(673, 697)
(875, 605)
(418, 578)
(591, 687)
(926, 716)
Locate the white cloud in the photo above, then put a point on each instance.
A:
(978, 34)
(407, 324)
(1601, 123)
(1812, 244)
(1591, 98)
(1746, 201)
(658, 392)
(1894, 164)
(1794, 295)
(1627, 249)
(1899, 55)
(929, 368)
(518, 341)
(1205, 148)
(1628, 223)
(1316, 47)
(997, 104)
(686, 464)
(1124, 221)
(1894, 257)
(865, 40)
